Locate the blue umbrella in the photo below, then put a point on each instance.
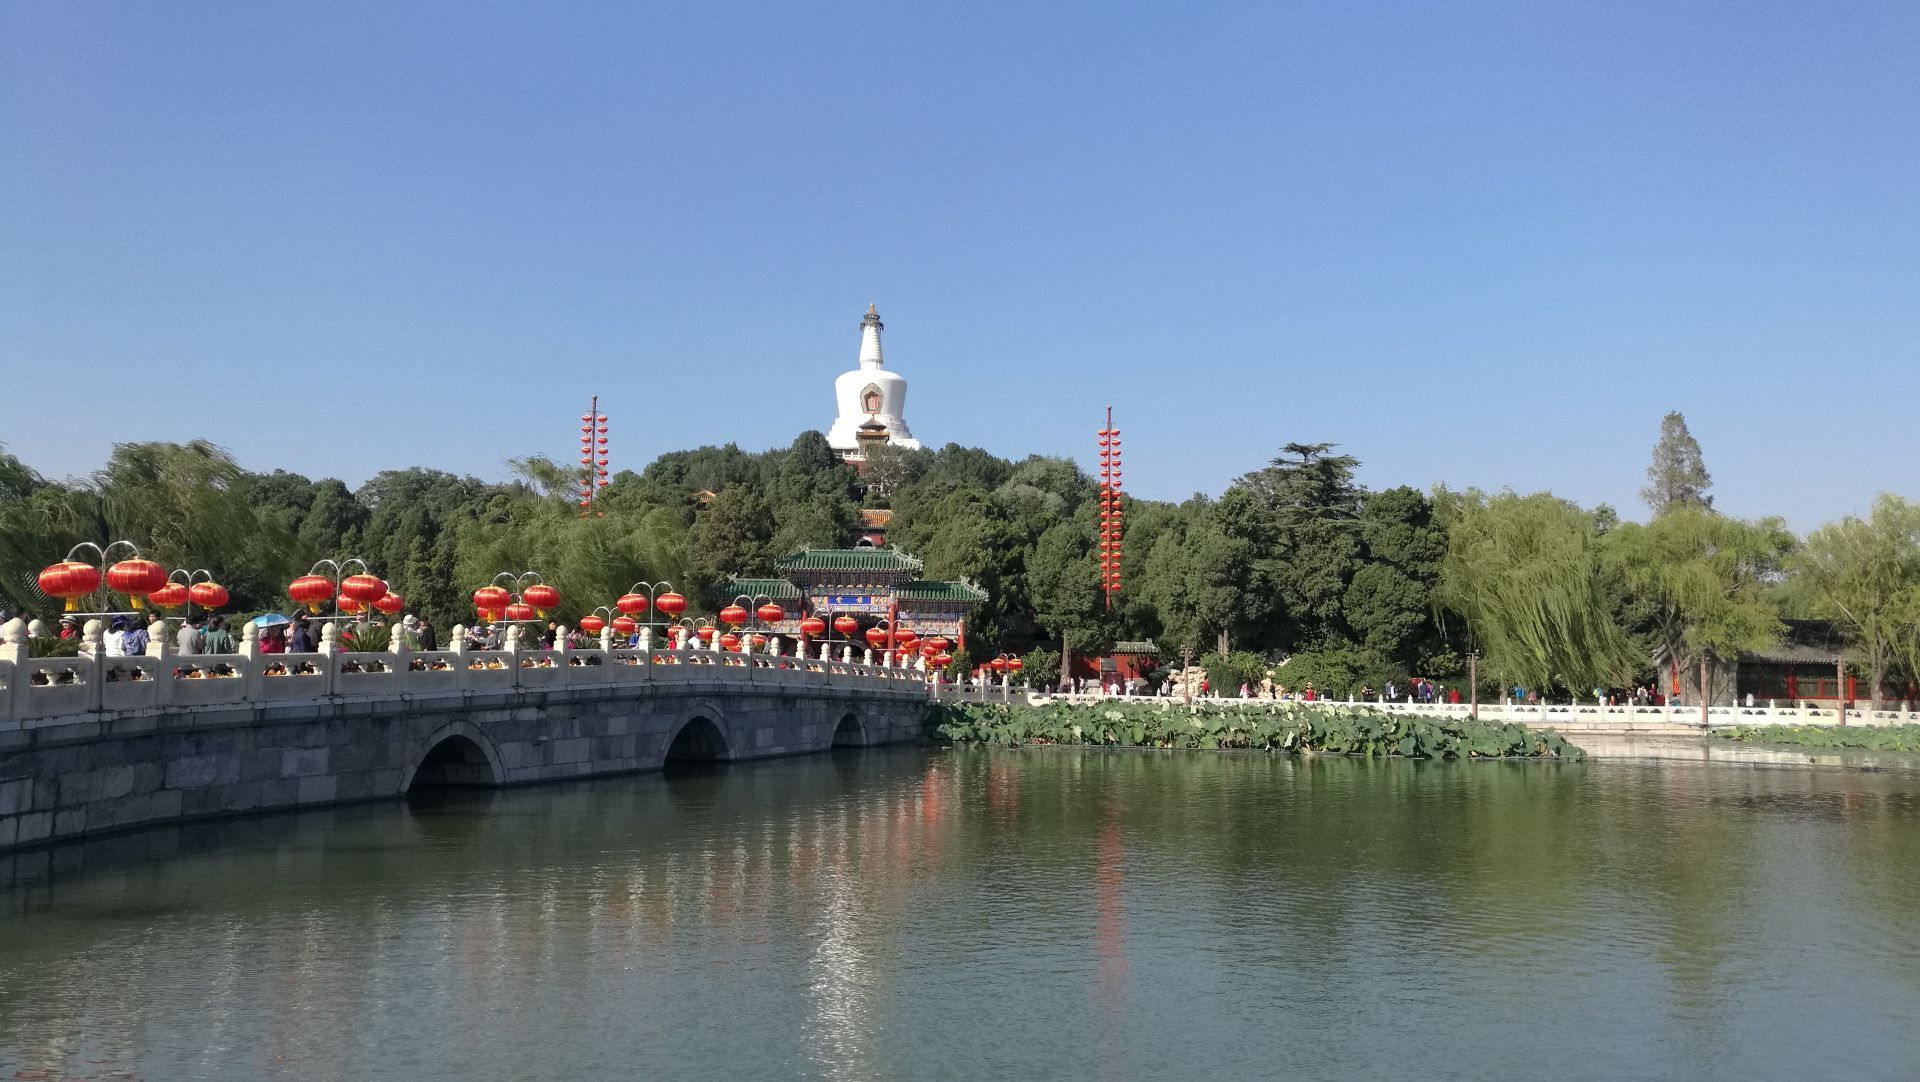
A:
(272, 619)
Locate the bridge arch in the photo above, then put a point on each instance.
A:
(458, 754)
(700, 734)
(851, 732)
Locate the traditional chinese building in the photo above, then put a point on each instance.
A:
(875, 586)
(1805, 666)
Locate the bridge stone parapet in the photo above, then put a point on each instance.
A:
(88, 754)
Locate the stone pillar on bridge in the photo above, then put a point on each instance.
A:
(13, 652)
(249, 649)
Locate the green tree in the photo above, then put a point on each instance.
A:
(1703, 579)
(1678, 475)
(1526, 574)
(1865, 573)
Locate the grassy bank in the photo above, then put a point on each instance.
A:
(1288, 727)
(1871, 737)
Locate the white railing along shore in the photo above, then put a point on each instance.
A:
(1564, 715)
(36, 689)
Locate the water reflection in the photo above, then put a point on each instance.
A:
(886, 914)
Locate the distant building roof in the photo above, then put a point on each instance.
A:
(875, 518)
(1134, 648)
(778, 589)
(1806, 642)
(924, 590)
(887, 560)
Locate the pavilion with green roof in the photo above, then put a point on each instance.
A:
(869, 584)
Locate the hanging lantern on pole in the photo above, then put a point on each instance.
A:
(846, 625)
(813, 627)
(390, 603)
(733, 614)
(770, 613)
(366, 589)
(70, 580)
(670, 604)
(136, 578)
(311, 591)
(542, 597)
(207, 595)
(170, 597)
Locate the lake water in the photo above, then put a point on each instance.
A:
(1007, 914)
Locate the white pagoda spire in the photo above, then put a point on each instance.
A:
(870, 397)
(870, 329)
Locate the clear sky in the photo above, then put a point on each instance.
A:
(1486, 244)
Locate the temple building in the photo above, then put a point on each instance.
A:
(872, 401)
(873, 585)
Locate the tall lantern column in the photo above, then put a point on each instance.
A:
(1111, 512)
(593, 458)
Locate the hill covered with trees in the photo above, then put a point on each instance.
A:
(1295, 560)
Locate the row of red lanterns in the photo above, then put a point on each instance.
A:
(138, 578)
(593, 455)
(358, 594)
(1112, 515)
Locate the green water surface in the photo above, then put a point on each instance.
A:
(1005, 914)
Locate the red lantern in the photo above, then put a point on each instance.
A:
(390, 603)
(876, 637)
(623, 625)
(631, 604)
(520, 610)
(759, 642)
(351, 606)
(207, 595)
(770, 613)
(70, 580)
(706, 633)
(171, 596)
(1014, 664)
(733, 614)
(592, 625)
(939, 643)
(136, 578)
(365, 589)
(729, 641)
(846, 625)
(490, 599)
(541, 597)
(813, 627)
(310, 590)
(942, 661)
(671, 604)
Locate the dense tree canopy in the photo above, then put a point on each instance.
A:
(1296, 565)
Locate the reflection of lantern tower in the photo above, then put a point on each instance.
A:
(1111, 513)
(872, 400)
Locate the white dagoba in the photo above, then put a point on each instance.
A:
(870, 395)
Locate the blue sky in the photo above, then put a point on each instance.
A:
(1485, 244)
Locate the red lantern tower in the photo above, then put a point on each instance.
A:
(1111, 513)
(593, 458)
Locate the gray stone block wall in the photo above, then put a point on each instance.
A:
(73, 779)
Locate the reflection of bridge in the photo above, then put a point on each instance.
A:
(95, 743)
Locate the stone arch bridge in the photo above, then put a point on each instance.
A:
(99, 744)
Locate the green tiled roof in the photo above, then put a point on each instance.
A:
(848, 560)
(778, 589)
(1134, 648)
(940, 591)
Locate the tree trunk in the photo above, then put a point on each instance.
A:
(1878, 676)
(1222, 643)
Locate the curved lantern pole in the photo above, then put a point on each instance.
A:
(653, 592)
(337, 573)
(692, 625)
(187, 579)
(103, 556)
(753, 604)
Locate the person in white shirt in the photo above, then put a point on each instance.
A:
(115, 640)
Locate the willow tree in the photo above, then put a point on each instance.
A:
(1527, 575)
(1702, 578)
(1865, 573)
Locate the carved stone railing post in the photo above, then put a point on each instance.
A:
(329, 654)
(160, 648)
(13, 662)
(249, 660)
